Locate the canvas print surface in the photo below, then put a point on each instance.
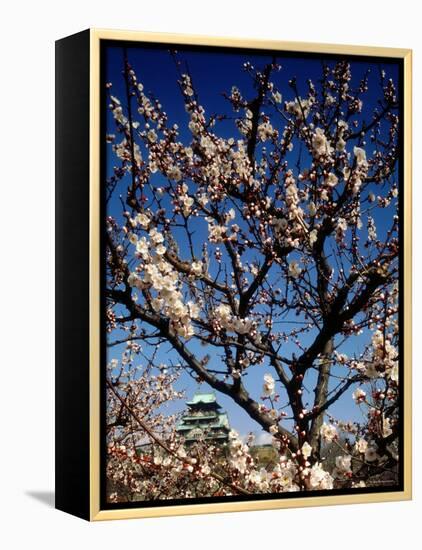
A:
(251, 274)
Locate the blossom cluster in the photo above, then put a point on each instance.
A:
(157, 274)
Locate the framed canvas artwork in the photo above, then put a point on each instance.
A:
(233, 274)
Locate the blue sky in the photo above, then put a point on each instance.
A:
(214, 73)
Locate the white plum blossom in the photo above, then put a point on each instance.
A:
(143, 220)
(331, 180)
(277, 97)
(358, 484)
(265, 131)
(294, 269)
(361, 445)
(133, 239)
(313, 237)
(203, 199)
(238, 452)
(300, 108)
(174, 173)
(187, 203)
(312, 209)
(216, 233)
(156, 237)
(152, 136)
(306, 450)
(133, 279)
(372, 230)
(386, 426)
(385, 356)
(343, 463)
(269, 385)
(160, 250)
(125, 153)
(328, 432)
(231, 322)
(371, 453)
(142, 247)
(341, 228)
(394, 373)
(320, 143)
(196, 268)
(359, 395)
(224, 315)
(360, 155)
(319, 478)
(194, 309)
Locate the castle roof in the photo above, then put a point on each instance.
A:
(203, 398)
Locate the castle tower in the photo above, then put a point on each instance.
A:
(204, 419)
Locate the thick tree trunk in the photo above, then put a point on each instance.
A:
(321, 394)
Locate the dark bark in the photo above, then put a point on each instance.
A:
(321, 394)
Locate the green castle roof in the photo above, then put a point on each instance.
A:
(202, 398)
